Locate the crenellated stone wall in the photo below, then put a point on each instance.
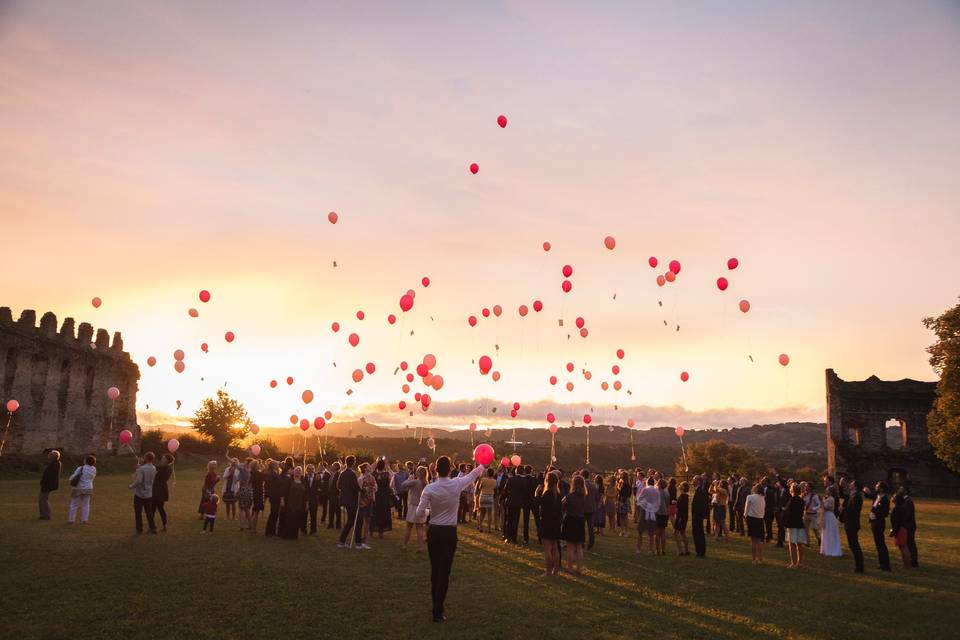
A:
(61, 377)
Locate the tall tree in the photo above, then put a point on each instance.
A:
(943, 423)
(222, 420)
(716, 456)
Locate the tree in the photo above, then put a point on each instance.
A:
(716, 456)
(222, 420)
(943, 422)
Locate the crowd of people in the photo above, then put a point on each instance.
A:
(568, 512)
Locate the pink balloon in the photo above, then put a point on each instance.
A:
(485, 313)
(567, 271)
(537, 306)
(96, 302)
(360, 315)
(670, 276)
(254, 429)
(546, 246)
(566, 285)
(553, 428)
(505, 461)
(125, 436)
(610, 242)
(113, 393)
(744, 306)
(485, 364)
(784, 359)
(551, 417)
(675, 267)
(474, 168)
(228, 336)
(255, 450)
(587, 418)
(580, 322)
(515, 460)
(353, 339)
(502, 121)
(425, 281)
(437, 383)
(684, 376)
(333, 217)
(495, 375)
(472, 321)
(204, 296)
(631, 422)
(620, 353)
(679, 432)
(204, 347)
(722, 284)
(391, 318)
(327, 415)
(335, 326)
(12, 405)
(483, 454)
(653, 262)
(172, 445)
(733, 263)
(406, 302)
(430, 360)
(553, 379)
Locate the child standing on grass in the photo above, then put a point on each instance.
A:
(210, 512)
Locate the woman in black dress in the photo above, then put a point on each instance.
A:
(384, 499)
(549, 513)
(573, 520)
(680, 519)
(293, 506)
(161, 492)
(257, 480)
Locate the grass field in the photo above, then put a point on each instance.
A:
(102, 581)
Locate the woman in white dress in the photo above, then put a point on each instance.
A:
(830, 540)
(414, 487)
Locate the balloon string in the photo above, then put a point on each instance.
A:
(5, 431)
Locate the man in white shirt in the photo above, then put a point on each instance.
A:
(442, 500)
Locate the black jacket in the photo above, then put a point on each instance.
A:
(769, 501)
(880, 509)
(276, 485)
(51, 477)
(314, 486)
(700, 505)
(161, 492)
(851, 512)
(349, 487)
(517, 491)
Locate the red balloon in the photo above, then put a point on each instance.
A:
(513, 413)
(273, 384)
(653, 262)
(516, 406)
(422, 369)
(523, 310)
(732, 264)
(178, 354)
(567, 271)
(587, 419)
(425, 281)
(583, 332)
(335, 326)
(502, 121)
(319, 423)
(96, 302)
(784, 359)
(675, 267)
(537, 306)
(631, 422)
(403, 365)
(553, 379)
(546, 246)
(228, 336)
(402, 404)
(360, 315)
(333, 217)
(304, 424)
(294, 418)
(391, 318)
(472, 320)
(616, 369)
(485, 364)
(679, 432)
(570, 367)
(370, 367)
(327, 415)
(610, 242)
(485, 313)
(684, 376)
(151, 361)
(357, 375)
(553, 428)
(483, 454)
(430, 360)
(497, 310)
(204, 347)
(354, 339)
(551, 417)
(661, 281)
(204, 296)
(744, 306)
(409, 377)
(566, 286)
(580, 322)
(620, 353)
(290, 380)
(722, 284)
(474, 168)
(406, 302)
(425, 400)
(178, 366)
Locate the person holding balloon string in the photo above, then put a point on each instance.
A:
(161, 488)
(209, 484)
(142, 486)
(442, 500)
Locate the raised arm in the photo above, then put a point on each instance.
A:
(470, 478)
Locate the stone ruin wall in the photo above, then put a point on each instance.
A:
(61, 379)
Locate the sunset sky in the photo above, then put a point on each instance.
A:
(151, 150)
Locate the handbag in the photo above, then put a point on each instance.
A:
(74, 481)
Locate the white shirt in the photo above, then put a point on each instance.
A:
(442, 498)
(649, 500)
(755, 506)
(87, 474)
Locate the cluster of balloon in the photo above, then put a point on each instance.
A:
(96, 302)
(178, 364)
(567, 272)
(172, 445)
(483, 454)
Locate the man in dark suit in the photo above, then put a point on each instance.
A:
(878, 524)
(516, 497)
(850, 515)
(333, 498)
(49, 482)
(311, 482)
(276, 489)
(769, 507)
(349, 487)
(700, 511)
(323, 492)
(783, 500)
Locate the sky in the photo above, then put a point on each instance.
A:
(152, 150)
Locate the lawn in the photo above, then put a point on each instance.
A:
(102, 581)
